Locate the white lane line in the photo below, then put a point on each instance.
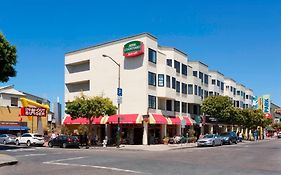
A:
(59, 162)
(31, 155)
(19, 150)
(93, 166)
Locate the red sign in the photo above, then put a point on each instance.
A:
(31, 111)
(278, 111)
(133, 49)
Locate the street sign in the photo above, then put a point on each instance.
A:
(119, 92)
(119, 99)
(183, 123)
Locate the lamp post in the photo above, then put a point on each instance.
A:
(118, 101)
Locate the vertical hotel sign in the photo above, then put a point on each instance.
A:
(133, 49)
(266, 103)
(255, 102)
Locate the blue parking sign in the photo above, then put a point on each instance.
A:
(119, 92)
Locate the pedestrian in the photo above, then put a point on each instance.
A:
(255, 135)
(53, 135)
(240, 136)
(85, 139)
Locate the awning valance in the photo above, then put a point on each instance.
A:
(188, 120)
(157, 119)
(80, 121)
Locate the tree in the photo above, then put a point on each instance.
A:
(89, 108)
(220, 107)
(8, 59)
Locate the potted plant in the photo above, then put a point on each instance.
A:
(166, 140)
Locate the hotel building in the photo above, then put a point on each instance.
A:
(161, 89)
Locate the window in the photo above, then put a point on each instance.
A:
(184, 69)
(234, 91)
(201, 76)
(161, 80)
(169, 105)
(218, 83)
(152, 55)
(151, 101)
(213, 81)
(14, 101)
(168, 81)
(205, 94)
(247, 96)
(195, 90)
(173, 82)
(222, 86)
(199, 93)
(183, 107)
(169, 62)
(177, 66)
(238, 92)
(178, 86)
(190, 89)
(151, 79)
(231, 88)
(176, 106)
(206, 79)
(211, 93)
(195, 73)
(184, 88)
(227, 88)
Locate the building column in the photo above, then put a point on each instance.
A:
(179, 130)
(163, 131)
(145, 133)
(211, 129)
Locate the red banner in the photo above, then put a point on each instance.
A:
(31, 111)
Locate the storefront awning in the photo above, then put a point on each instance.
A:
(188, 120)
(124, 119)
(14, 128)
(82, 121)
(173, 120)
(157, 119)
(113, 119)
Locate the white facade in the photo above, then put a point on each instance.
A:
(216, 86)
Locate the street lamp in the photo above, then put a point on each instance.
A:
(118, 101)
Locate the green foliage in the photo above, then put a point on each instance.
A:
(90, 107)
(65, 130)
(8, 59)
(220, 107)
(276, 126)
(82, 129)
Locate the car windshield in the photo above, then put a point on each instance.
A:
(209, 136)
(11, 135)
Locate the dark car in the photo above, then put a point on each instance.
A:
(229, 138)
(64, 141)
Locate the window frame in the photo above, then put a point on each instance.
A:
(159, 81)
(154, 78)
(151, 99)
(152, 57)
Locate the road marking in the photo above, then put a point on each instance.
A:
(59, 162)
(30, 155)
(19, 150)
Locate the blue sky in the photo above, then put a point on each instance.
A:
(239, 38)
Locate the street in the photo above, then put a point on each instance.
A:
(252, 158)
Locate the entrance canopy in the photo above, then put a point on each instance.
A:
(188, 120)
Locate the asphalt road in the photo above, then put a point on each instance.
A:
(259, 158)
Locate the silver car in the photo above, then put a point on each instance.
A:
(7, 138)
(209, 140)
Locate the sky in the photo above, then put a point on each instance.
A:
(239, 38)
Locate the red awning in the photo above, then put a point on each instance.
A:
(175, 120)
(124, 119)
(80, 121)
(188, 120)
(157, 119)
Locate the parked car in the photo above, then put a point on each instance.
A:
(209, 140)
(279, 135)
(229, 138)
(64, 141)
(30, 139)
(7, 138)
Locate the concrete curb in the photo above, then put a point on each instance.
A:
(7, 160)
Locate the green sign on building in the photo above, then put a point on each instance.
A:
(133, 48)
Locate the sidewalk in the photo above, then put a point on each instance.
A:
(7, 160)
(158, 147)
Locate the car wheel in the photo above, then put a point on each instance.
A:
(4, 142)
(230, 142)
(64, 145)
(213, 144)
(17, 142)
(28, 143)
(221, 143)
(236, 142)
(50, 144)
